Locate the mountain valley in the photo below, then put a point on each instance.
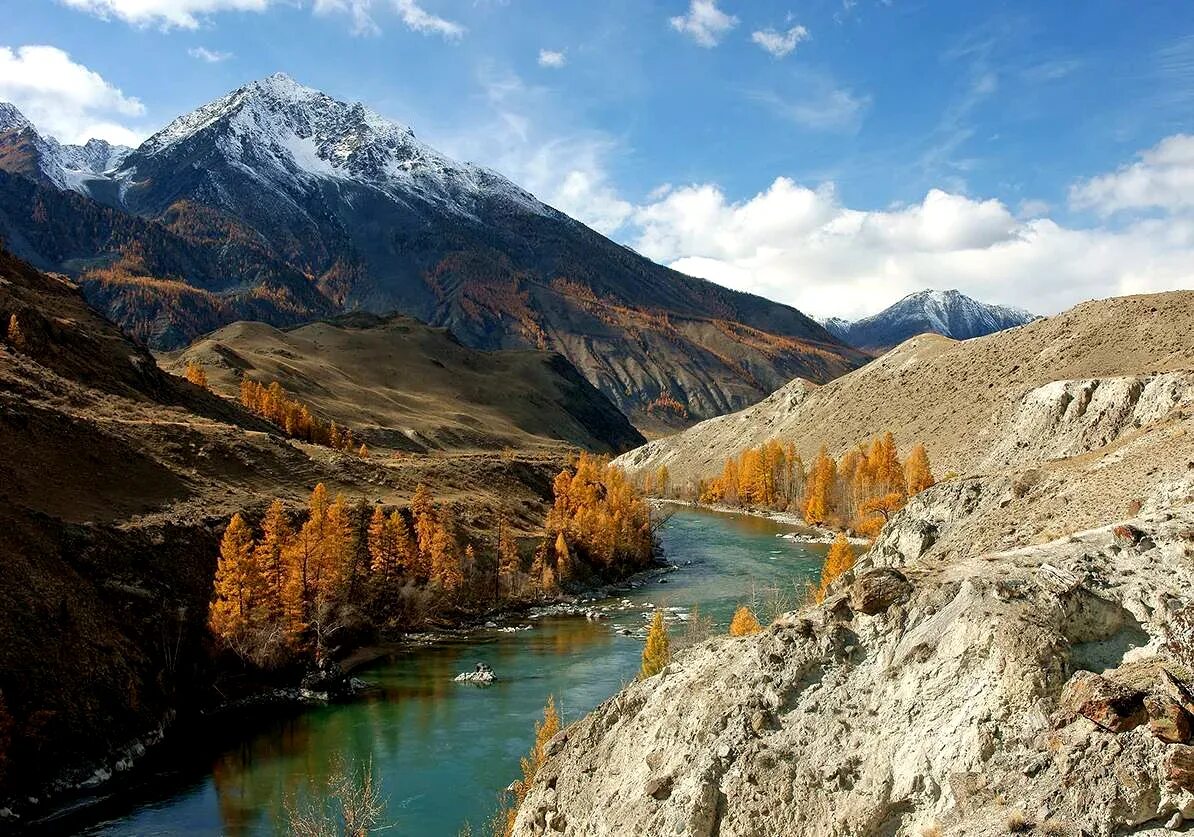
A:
(349, 486)
(110, 464)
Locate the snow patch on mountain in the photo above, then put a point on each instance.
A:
(12, 119)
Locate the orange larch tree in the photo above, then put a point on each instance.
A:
(272, 557)
(920, 474)
(238, 584)
(839, 560)
(196, 374)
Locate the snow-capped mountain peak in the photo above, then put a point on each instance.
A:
(12, 119)
(290, 136)
(950, 313)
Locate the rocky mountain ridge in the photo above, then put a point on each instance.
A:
(24, 149)
(1013, 654)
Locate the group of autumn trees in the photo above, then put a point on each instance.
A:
(860, 490)
(284, 590)
(274, 403)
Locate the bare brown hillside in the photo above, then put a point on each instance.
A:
(958, 398)
(404, 385)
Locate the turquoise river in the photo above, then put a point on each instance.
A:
(442, 751)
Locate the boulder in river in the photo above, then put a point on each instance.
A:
(481, 675)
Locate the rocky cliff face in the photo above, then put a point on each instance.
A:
(1008, 656)
(940, 711)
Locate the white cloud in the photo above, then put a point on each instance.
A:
(803, 247)
(704, 23)
(211, 56)
(818, 105)
(780, 44)
(524, 131)
(1163, 178)
(66, 99)
(416, 18)
(358, 10)
(185, 14)
(190, 14)
(1033, 208)
(552, 58)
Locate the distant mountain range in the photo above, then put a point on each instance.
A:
(950, 313)
(279, 203)
(24, 151)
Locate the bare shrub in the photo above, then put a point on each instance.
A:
(353, 807)
(697, 628)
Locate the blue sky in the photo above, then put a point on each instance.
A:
(831, 154)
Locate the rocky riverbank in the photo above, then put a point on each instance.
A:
(1014, 654)
(920, 696)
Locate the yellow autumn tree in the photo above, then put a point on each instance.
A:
(509, 561)
(15, 334)
(744, 622)
(603, 516)
(839, 560)
(196, 374)
(920, 474)
(388, 542)
(445, 559)
(272, 557)
(238, 583)
(422, 508)
(818, 505)
(662, 481)
(337, 552)
(531, 763)
(565, 572)
(889, 472)
(657, 651)
(539, 568)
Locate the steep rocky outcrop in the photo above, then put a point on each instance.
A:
(1011, 655)
(940, 712)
